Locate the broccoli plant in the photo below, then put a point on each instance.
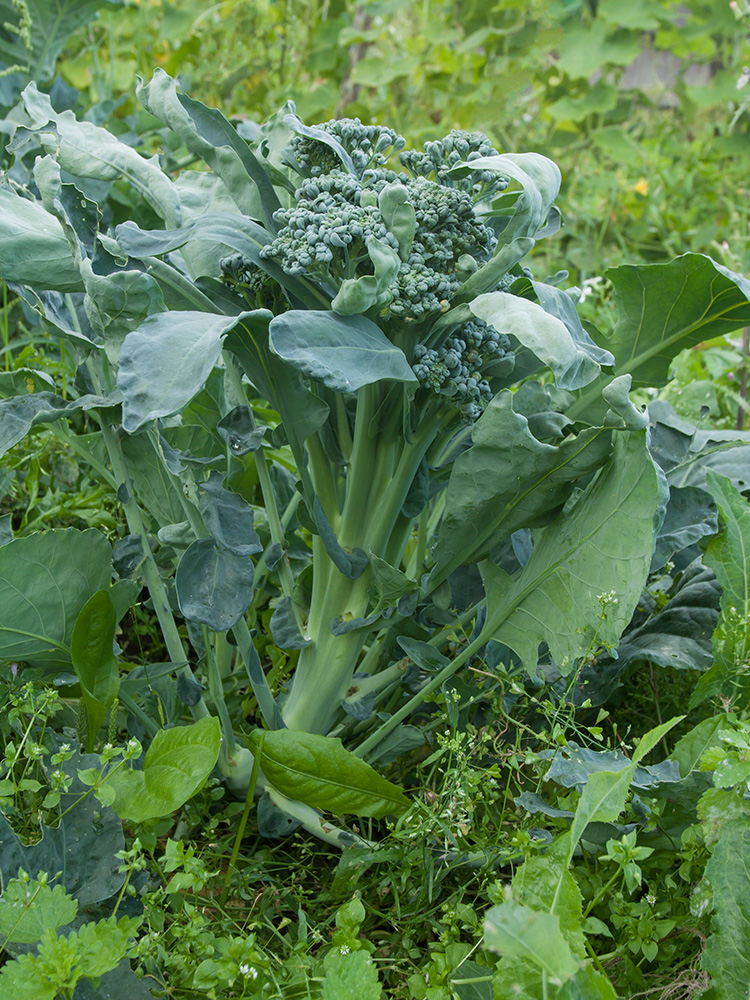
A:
(347, 425)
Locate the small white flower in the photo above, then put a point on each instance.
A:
(344, 949)
(650, 899)
(249, 970)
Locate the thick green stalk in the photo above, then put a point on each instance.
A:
(380, 476)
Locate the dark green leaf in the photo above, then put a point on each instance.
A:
(228, 517)
(214, 586)
(166, 361)
(284, 627)
(343, 352)
(45, 580)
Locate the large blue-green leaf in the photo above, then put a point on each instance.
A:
(214, 585)
(33, 247)
(228, 517)
(116, 304)
(167, 360)
(601, 545)
(302, 413)
(548, 337)
(508, 480)
(86, 150)
(45, 580)
(342, 352)
(664, 308)
(206, 132)
(540, 180)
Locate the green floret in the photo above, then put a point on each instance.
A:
(440, 156)
(461, 368)
(325, 236)
(367, 145)
(259, 289)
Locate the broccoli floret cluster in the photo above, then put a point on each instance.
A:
(325, 234)
(368, 146)
(440, 156)
(259, 289)
(458, 368)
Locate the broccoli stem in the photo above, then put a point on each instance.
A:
(380, 476)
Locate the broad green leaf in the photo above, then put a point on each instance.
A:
(538, 176)
(33, 247)
(29, 909)
(118, 303)
(206, 132)
(52, 23)
(342, 352)
(175, 766)
(45, 580)
(228, 518)
(602, 544)
(665, 308)
(508, 480)
(728, 554)
(535, 936)
(603, 798)
(542, 333)
(545, 884)
(214, 585)
(302, 413)
(93, 660)
(318, 771)
(151, 481)
(727, 952)
(166, 361)
(86, 150)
